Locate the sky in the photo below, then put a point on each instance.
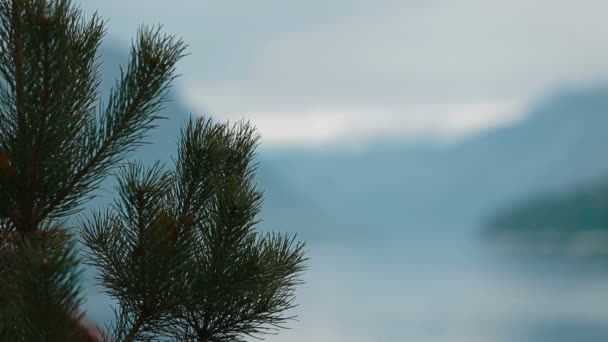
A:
(346, 73)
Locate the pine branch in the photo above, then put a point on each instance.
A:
(234, 270)
(180, 252)
(55, 148)
(29, 209)
(130, 113)
(139, 251)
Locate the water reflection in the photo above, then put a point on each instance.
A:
(432, 291)
(411, 291)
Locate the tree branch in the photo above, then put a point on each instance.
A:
(30, 223)
(99, 156)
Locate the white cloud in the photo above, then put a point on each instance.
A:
(316, 72)
(356, 126)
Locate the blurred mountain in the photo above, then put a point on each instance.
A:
(395, 188)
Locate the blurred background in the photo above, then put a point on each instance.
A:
(444, 160)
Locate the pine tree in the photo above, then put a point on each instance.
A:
(179, 249)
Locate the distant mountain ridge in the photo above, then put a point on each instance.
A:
(391, 189)
(395, 189)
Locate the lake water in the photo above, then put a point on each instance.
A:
(447, 290)
(428, 289)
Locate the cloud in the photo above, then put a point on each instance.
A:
(441, 68)
(343, 125)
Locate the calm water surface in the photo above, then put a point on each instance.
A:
(429, 289)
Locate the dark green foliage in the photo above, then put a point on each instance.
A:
(242, 281)
(136, 247)
(56, 145)
(59, 144)
(180, 251)
(40, 295)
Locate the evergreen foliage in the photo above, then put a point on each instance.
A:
(178, 249)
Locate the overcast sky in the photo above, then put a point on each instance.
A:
(337, 72)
